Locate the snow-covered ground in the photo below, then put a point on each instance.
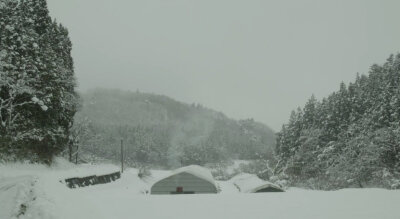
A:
(38, 188)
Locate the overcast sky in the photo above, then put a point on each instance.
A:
(249, 59)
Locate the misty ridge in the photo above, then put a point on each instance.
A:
(161, 132)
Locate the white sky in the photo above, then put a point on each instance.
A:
(249, 59)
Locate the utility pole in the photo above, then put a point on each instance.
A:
(122, 156)
(76, 153)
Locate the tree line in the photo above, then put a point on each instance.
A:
(350, 138)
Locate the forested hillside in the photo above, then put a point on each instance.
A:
(349, 139)
(37, 96)
(160, 131)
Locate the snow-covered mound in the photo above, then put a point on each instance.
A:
(195, 170)
(249, 183)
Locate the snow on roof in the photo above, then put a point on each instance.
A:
(249, 183)
(195, 170)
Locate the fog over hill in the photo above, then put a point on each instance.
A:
(160, 131)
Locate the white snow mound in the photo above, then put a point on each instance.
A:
(201, 172)
(249, 183)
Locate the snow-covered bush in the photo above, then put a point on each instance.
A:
(144, 172)
(221, 170)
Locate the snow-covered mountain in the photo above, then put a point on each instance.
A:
(161, 131)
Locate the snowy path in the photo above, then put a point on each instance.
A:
(125, 198)
(14, 192)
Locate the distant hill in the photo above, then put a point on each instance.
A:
(158, 130)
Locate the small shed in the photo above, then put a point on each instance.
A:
(186, 180)
(248, 183)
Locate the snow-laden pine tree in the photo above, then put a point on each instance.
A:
(37, 96)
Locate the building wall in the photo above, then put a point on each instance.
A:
(188, 182)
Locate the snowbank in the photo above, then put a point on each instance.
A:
(14, 194)
(34, 190)
(346, 204)
(38, 188)
(195, 170)
(249, 183)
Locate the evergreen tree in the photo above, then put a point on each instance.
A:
(37, 97)
(350, 138)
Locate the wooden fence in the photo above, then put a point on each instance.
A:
(92, 180)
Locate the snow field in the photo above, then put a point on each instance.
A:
(39, 188)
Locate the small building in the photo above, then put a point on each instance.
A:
(186, 180)
(248, 183)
